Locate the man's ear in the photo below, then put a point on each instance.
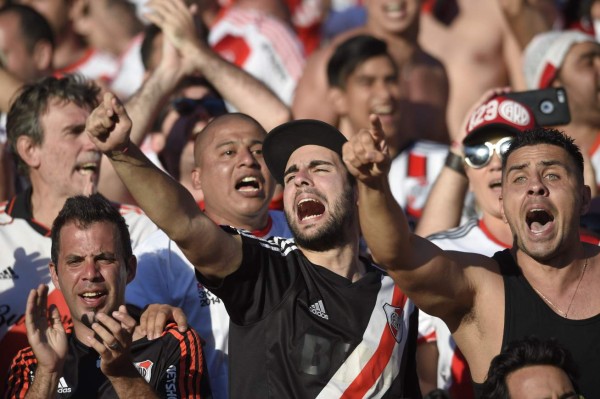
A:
(54, 275)
(28, 151)
(586, 199)
(196, 180)
(338, 98)
(131, 268)
(42, 55)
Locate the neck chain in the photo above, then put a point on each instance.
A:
(560, 312)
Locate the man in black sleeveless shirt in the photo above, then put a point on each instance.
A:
(545, 285)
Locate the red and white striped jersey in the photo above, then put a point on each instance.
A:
(261, 45)
(413, 172)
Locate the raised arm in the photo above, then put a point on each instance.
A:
(247, 94)
(525, 18)
(446, 199)
(212, 251)
(434, 279)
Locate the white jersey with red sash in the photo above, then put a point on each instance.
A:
(261, 45)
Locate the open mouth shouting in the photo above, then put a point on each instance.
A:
(93, 298)
(249, 186)
(539, 220)
(87, 168)
(309, 209)
(89, 164)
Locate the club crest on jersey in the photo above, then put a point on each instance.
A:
(145, 369)
(395, 321)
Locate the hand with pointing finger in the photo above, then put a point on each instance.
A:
(109, 126)
(366, 154)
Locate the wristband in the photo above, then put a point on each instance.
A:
(455, 162)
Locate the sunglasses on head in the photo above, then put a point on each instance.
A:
(477, 156)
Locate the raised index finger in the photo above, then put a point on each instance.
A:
(377, 132)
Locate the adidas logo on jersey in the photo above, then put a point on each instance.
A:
(318, 309)
(62, 386)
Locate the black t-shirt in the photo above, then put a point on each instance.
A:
(299, 330)
(527, 314)
(171, 364)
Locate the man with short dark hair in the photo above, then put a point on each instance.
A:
(424, 82)
(532, 368)
(363, 79)
(106, 355)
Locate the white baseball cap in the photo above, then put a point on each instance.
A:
(545, 54)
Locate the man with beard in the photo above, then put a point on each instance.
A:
(309, 318)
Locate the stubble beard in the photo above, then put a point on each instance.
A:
(334, 233)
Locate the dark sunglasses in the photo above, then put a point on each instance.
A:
(477, 156)
(214, 106)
